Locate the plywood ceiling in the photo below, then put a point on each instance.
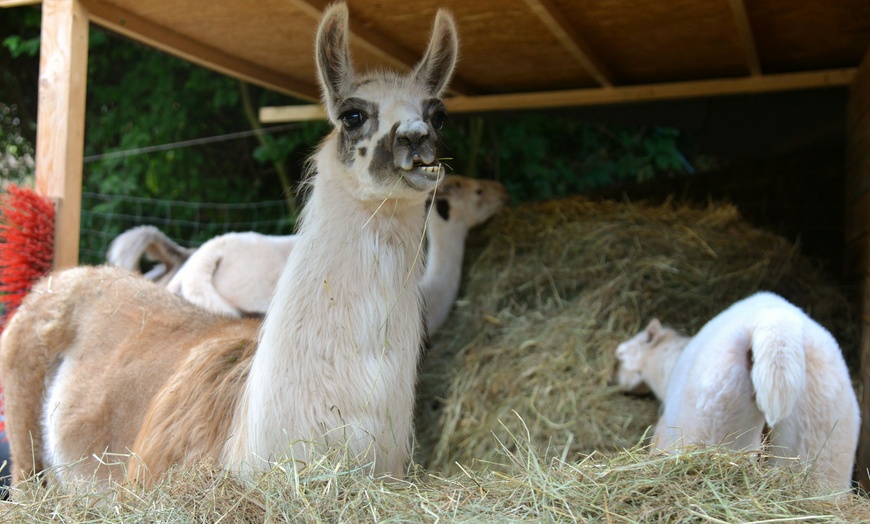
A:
(523, 53)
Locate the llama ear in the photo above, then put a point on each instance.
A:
(652, 329)
(333, 56)
(436, 66)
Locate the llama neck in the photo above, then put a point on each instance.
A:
(657, 375)
(440, 283)
(342, 333)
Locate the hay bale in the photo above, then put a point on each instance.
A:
(552, 288)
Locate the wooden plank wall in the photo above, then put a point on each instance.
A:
(858, 237)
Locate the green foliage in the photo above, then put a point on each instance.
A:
(16, 152)
(19, 46)
(25, 41)
(281, 148)
(542, 156)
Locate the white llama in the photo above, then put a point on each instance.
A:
(98, 360)
(761, 361)
(459, 204)
(234, 273)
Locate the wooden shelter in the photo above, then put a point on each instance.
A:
(520, 54)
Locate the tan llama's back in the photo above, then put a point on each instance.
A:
(193, 415)
(90, 338)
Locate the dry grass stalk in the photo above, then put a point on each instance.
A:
(702, 486)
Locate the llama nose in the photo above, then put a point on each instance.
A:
(412, 137)
(413, 145)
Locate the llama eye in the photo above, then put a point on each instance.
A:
(352, 118)
(438, 119)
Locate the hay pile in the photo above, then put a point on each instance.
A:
(550, 291)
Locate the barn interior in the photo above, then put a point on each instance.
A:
(780, 89)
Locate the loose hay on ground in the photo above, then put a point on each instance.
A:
(552, 288)
(703, 486)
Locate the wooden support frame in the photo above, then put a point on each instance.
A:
(60, 133)
(576, 46)
(600, 96)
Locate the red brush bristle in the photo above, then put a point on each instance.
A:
(26, 246)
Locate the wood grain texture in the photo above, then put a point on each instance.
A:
(60, 120)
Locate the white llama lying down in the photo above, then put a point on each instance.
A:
(99, 360)
(236, 273)
(760, 361)
(148, 241)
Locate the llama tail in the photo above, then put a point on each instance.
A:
(779, 362)
(128, 247)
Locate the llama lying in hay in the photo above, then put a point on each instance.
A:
(99, 361)
(148, 241)
(236, 273)
(761, 361)
(551, 288)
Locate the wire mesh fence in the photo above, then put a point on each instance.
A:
(189, 223)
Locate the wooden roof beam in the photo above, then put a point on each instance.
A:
(747, 40)
(376, 44)
(16, 3)
(603, 96)
(576, 46)
(138, 28)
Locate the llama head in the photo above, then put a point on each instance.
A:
(386, 124)
(469, 201)
(637, 353)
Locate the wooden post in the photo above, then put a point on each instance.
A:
(60, 128)
(858, 238)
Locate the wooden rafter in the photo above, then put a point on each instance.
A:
(601, 96)
(375, 43)
(579, 49)
(17, 3)
(747, 40)
(138, 28)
